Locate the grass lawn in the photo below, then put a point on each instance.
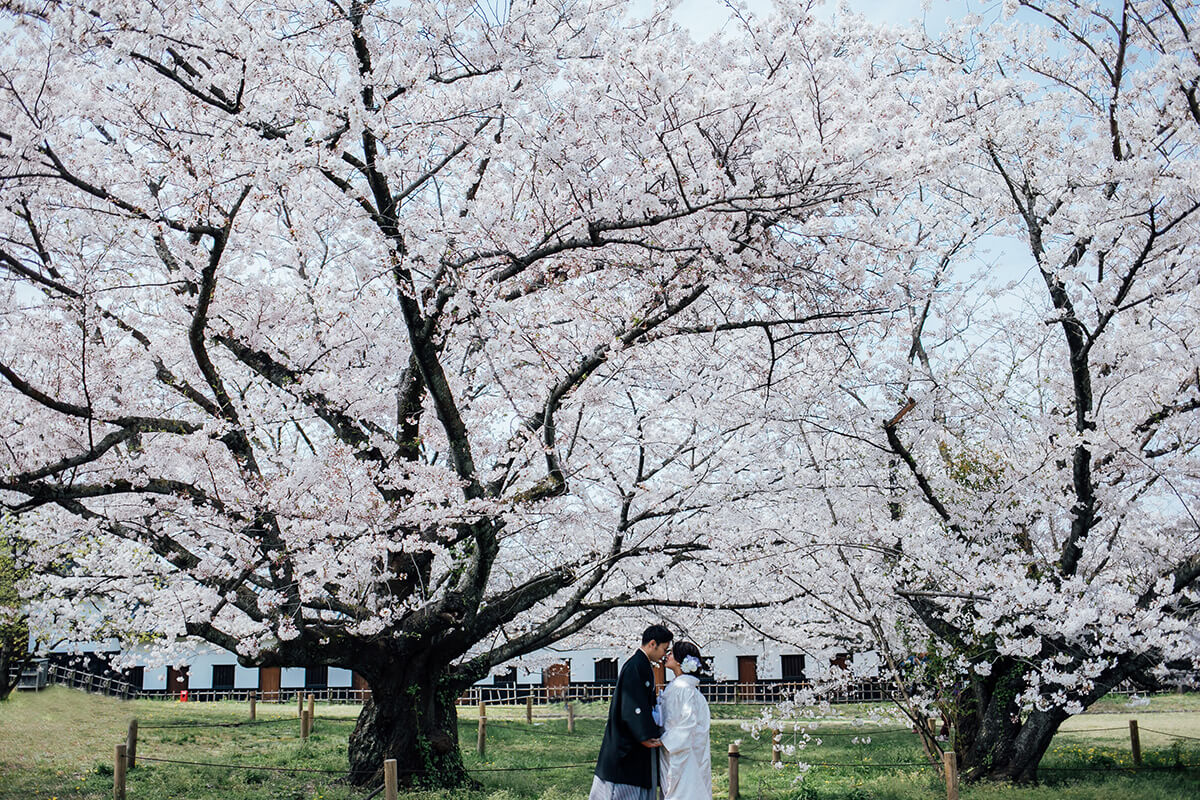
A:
(58, 745)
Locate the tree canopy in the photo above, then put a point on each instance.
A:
(412, 338)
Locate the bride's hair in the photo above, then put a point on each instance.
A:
(682, 650)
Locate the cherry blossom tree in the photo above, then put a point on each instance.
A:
(1012, 486)
(15, 654)
(409, 338)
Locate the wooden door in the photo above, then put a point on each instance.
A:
(557, 678)
(268, 683)
(222, 680)
(660, 674)
(360, 686)
(177, 680)
(747, 677)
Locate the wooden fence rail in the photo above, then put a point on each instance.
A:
(717, 693)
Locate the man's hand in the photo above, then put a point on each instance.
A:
(652, 743)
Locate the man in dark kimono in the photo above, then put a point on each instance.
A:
(625, 769)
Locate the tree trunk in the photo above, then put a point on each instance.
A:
(995, 739)
(14, 657)
(410, 717)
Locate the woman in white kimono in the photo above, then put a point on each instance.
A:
(685, 763)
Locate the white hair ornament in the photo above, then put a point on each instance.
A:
(690, 664)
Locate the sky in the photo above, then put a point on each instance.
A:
(706, 16)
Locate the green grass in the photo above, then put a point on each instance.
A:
(58, 744)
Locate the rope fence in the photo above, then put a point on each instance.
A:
(848, 765)
(243, 766)
(125, 754)
(243, 724)
(1139, 768)
(815, 732)
(1172, 735)
(343, 772)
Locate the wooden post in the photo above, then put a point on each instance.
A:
(253, 703)
(299, 704)
(950, 761)
(119, 773)
(734, 755)
(570, 717)
(131, 745)
(529, 709)
(304, 724)
(312, 712)
(1135, 742)
(481, 740)
(389, 779)
(776, 746)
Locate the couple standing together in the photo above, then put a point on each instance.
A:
(652, 741)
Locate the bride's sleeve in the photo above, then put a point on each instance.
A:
(679, 714)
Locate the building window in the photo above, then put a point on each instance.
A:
(222, 678)
(606, 670)
(136, 677)
(316, 677)
(791, 667)
(506, 678)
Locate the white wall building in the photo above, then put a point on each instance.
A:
(203, 667)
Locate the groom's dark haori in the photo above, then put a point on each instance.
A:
(625, 768)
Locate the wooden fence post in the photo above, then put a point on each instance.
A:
(131, 745)
(950, 761)
(304, 724)
(734, 755)
(1135, 742)
(389, 779)
(570, 717)
(481, 741)
(776, 746)
(312, 712)
(529, 709)
(253, 703)
(119, 773)
(299, 704)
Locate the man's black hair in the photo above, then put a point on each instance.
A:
(656, 633)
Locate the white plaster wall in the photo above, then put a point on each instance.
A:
(724, 657)
(154, 678)
(291, 678)
(200, 674)
(528, 677)
(245, 677)
(583, 662)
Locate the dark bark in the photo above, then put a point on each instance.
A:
(996, 740)
(14, 657)
(410, 717)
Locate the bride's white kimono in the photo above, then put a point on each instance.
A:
(684, 759)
